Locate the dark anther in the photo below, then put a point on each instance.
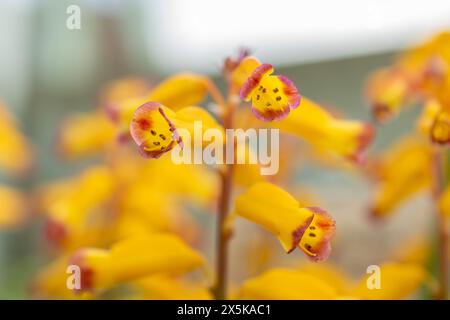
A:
(162, 136)
(156, 143)
(264, 90)
(275, 90)
(257, 97)
(312, 228)
(312, 234)
(153, 132)
(268, 104)
(278, 98)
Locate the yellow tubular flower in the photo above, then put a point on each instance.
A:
(178, 91)
(286, 284)
(272, 96)
(51, 282)
(134, 258)
(15, 152)
(309, 228)
(73, 204)
(387, 92)
(403, 171)
(13, 209)
(154, 127)
(343, 137)
(181, 90)
(85, 134)
(397, 281)
(328, 273)
(420, 72)
(120, 90)
(165, 287)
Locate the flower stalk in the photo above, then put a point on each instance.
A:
(226, 190)
(440, 179)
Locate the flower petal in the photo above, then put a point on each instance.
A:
(398, 281)
(16, 155)
(244, 70)
(286, 284)
(313, 123)
(180, 90)
(440, 130)
(272, 96)
(13, 209)
(316, 238)
(134, 258)
(403, 171)
(85, 134)
(279, 213)
(153, 131)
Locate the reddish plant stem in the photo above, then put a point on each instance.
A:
(220, 290)
(441, 225)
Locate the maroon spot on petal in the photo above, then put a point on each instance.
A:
(144, 123)
(297, 234)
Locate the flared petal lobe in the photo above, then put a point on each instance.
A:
(316, 239)
(279, 213)
(153, 131)
(272, 96)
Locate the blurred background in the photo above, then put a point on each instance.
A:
(328, 48)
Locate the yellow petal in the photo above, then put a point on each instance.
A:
(74, 204)
(164, 287)
(85, 134)
(16, 156)
(428, 116)
(440, 130)
(123, 89)
(272, 96)
(404, 170)
(280, 284)
(279, 213)
(243, 71)
(155, 128)
(387, 91)
(134, 258)
(51, 282)
(178, 91)
(181, 90)
(329, 273)
(398, 281)
(444, 202)
(343, 137)
(415, 250)
(13, 209)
